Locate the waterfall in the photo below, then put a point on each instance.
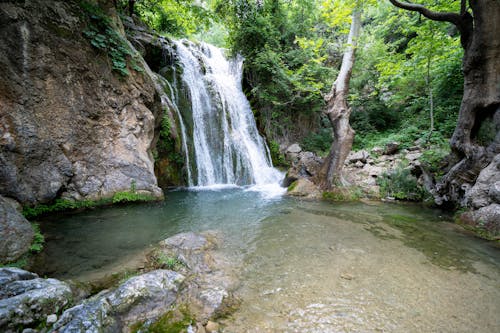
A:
(224, 140)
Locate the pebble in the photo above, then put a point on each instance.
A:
(211, 327)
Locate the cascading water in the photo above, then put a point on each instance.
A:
(226, 145)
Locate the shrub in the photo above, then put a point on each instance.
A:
(400, 184)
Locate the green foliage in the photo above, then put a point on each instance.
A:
(433, 159)
(351, 193)
(179, 18)
(104, 37)
(277, 157)
(167, 146)
(400, 184)
(318, 142)
(292, 186)
(38, 239)
(161, 260)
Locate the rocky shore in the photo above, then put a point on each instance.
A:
(186, 282)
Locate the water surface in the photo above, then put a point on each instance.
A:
(305, 266)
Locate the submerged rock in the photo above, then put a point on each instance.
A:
(140, 298)
(26, 299)
(16, 233)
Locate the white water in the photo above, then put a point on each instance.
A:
(227, 146)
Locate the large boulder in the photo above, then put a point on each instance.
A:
(305, 165)
(211, 277)
(27, 300)
(304, 188)
(70, 126)
(140, 298)
(16, 233)
(484, 192)
(357, 156)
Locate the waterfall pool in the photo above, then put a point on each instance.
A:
(305, 266)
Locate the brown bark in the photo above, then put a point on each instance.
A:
(338, 112)
(481, 100)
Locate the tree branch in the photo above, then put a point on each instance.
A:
(454, 18)
(463, 21)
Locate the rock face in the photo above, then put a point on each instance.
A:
(26, 299)
(140, 298)
(16, 233)
(484, 199)
(69, 126)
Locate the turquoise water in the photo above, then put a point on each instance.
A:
(305, 266)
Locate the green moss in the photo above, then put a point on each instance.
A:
(38, 239)
(292, 186)
(60, 205)
(174, 321)
(351, 193)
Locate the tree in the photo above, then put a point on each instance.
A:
(338, 112)
(478, 23)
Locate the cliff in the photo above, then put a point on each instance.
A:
(73, 123)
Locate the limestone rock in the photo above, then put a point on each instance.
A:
(377, 150)
(494, 192)
(26, 299)
(483, 192)
(304, 188)
(16, 233)
(294, 149)
(211, 277)
(358, 156)
(140, 298)
(69, 127)
(305, 165)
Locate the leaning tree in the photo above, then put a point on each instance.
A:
(338, 112)
(479, 25)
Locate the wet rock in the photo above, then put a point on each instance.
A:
(16, 233)
(304, 188)
(140, 298)
(211, 277)
(26, 299)
(358, 156)
(486, 218)
(391, 148)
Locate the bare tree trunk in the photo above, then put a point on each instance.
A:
(338, 112)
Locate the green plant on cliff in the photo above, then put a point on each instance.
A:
(38, 239)
(104, 37)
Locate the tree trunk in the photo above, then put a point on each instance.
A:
(480, 105)
(338, 113)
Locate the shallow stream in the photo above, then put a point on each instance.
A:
(305, 266)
